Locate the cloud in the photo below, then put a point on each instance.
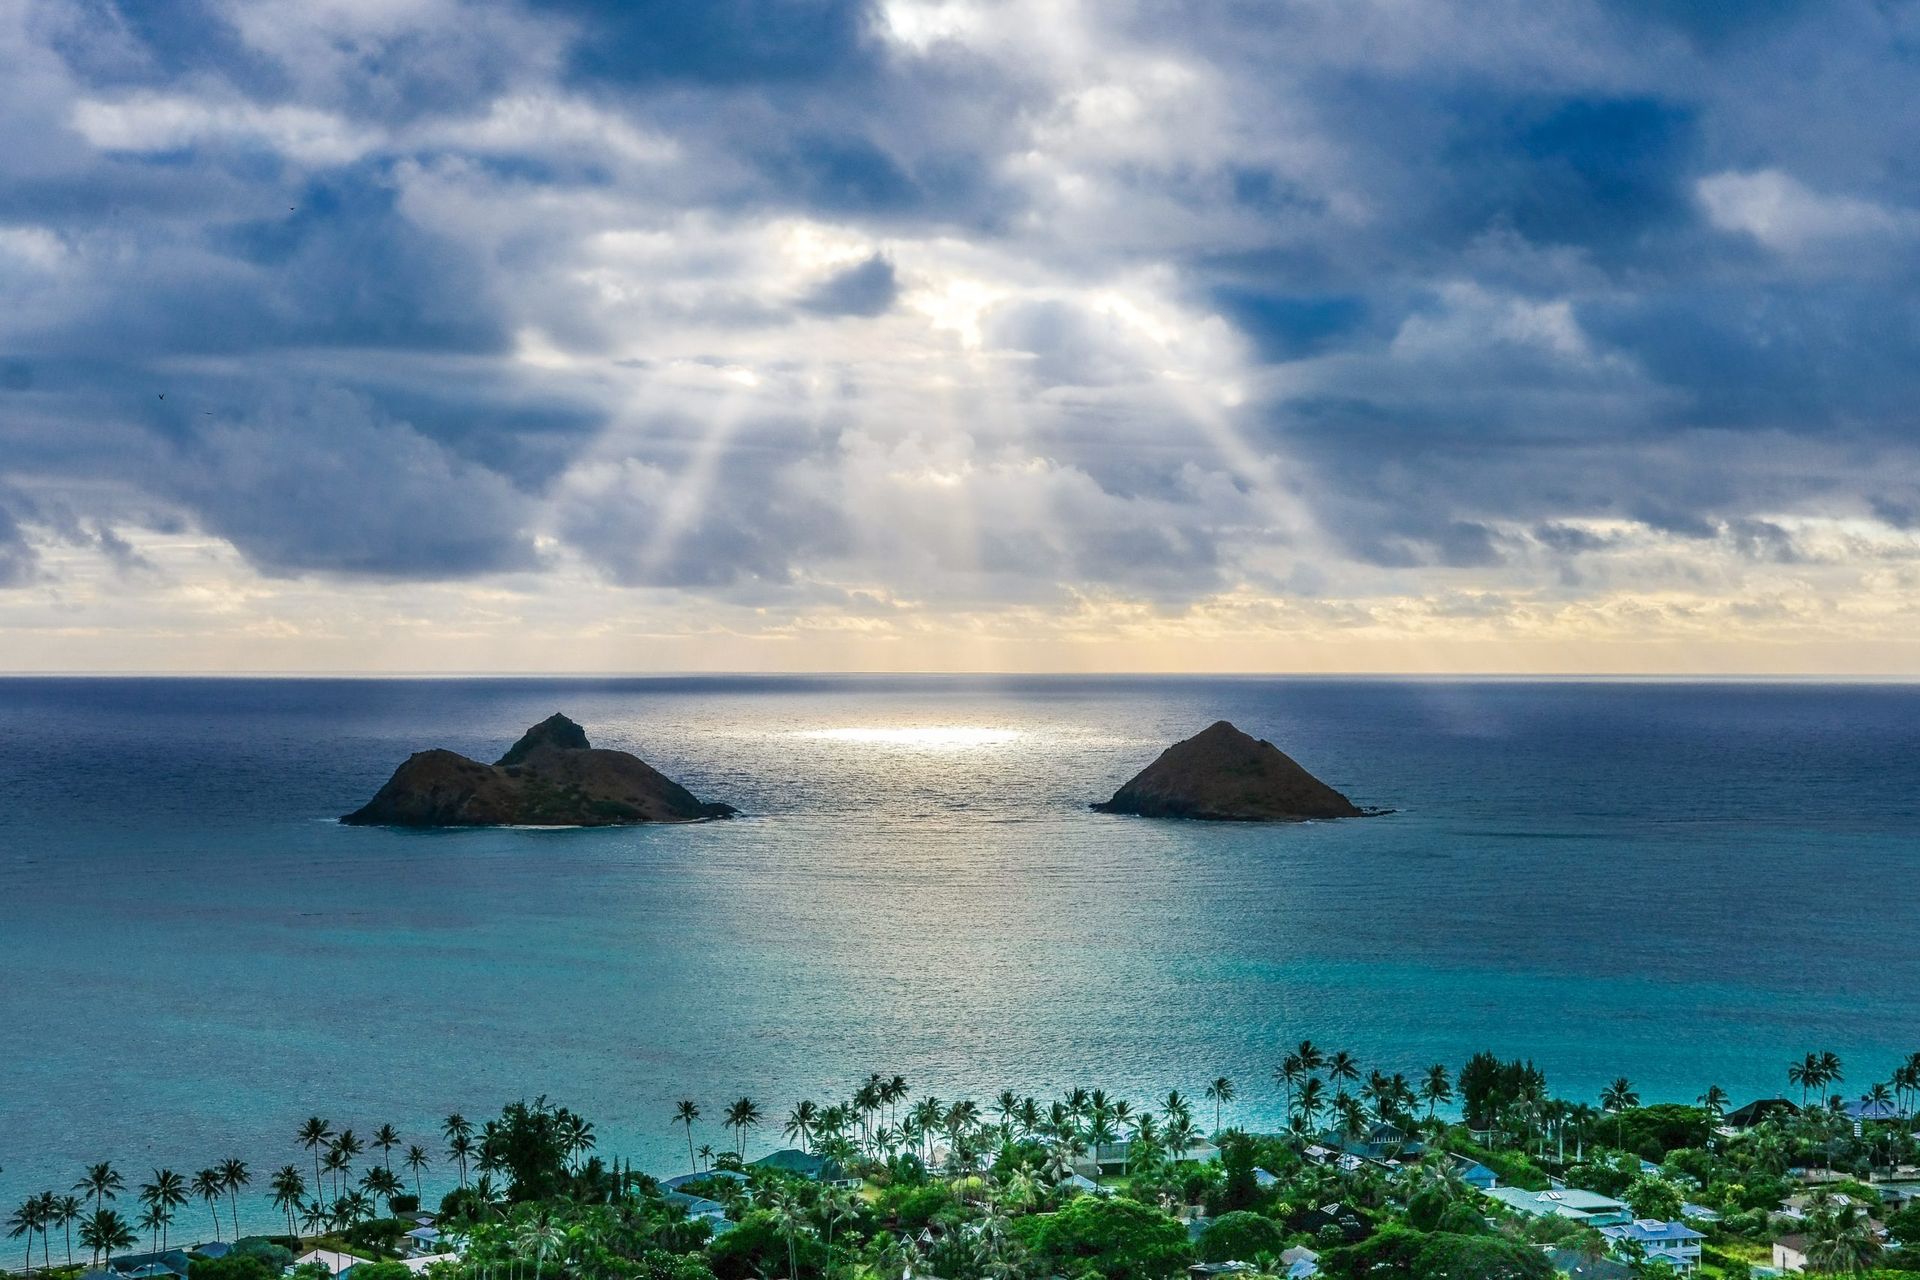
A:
(1782, 214)
(796, 307)
(865, 289)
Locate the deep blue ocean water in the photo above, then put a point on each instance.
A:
(1683, 883)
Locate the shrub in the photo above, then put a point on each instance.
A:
(1240, 1236)
(240, 1266)
(1115, 1238)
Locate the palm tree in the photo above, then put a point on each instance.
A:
(337, 1164)
(543, 1238)
(416, 1160)
(27, 1219)
(1842, 1243)
(386, 1137)
(1713, 1102)
(1311, 1099)
(787, 1217)
(349, 1146)
(1342, 1067)
(167, 1191)
(1311, 1059)
(211, 1187)
(106, 1231)
(234, 1174)
(1618, 1097)
(314, 1134)
(1221, 1090)
(153, 1221)
(801, 1122)
(381, 1183)
(458, 1149)
(686, 1113)
(313, 1217)
(102, 1182)
(1806, 1074)
(288, 1186)
(1436, 1088)
(1830, 1072)
(66, 1212)
(741, 1116)
(1289, 1073)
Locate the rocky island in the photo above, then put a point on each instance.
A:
(1223, 775)
(552, 777)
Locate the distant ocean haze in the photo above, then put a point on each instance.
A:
(1685, 884)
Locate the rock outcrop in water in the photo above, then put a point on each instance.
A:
(1224, 775)
(552, 777)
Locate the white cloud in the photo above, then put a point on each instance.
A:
(1785, 215)
(170, 122)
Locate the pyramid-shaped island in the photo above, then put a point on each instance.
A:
(1223, 775)
(552, 777)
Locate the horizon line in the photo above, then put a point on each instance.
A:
(1435, 677)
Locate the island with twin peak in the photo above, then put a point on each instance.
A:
(552, 777)
(1223, 775)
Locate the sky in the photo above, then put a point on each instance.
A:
(1191, 335)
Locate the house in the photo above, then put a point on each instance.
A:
(212, 1249)
(1578, 1266)
(335, 1262)
(1758, 1110)
(1083, 1184)
(1790, 1253)
(1299, 1262)
(1383, 1141)
(1111, 1157)
(1674, 1243)
(1587, 1207)
(422, 1240)
(1867, 1109)
(1698, 1212)
(1264, 1179)
(705, 1175)
(1475, 1174)
(805, 1164)
(1208, 1270)
(1315, 1222)
(150, 1266)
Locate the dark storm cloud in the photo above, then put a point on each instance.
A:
(864, 289)
(406, 277)
(744, 42)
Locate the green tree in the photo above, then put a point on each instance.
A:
(685, 1114)
(106, 1231)
(28, 1217)
(66, 1212)
(212, 1188)
(315, 1134)
(1114, 1238)
(234, 1176)
(288, 1186)
(1617, 1098)
(1240, 1236)
(164, 1194)
(235, 1266)
(742, 1116)
(1219, 1093)
(1651, 1196)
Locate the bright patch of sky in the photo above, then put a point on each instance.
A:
(929, 334)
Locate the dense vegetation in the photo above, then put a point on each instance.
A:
(1367, 1178)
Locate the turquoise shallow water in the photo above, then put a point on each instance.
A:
(1688, 884)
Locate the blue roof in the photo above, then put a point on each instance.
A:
(1653, 1231)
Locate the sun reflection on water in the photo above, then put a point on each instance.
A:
(942, 737)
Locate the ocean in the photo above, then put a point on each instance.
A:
(1686, 884)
